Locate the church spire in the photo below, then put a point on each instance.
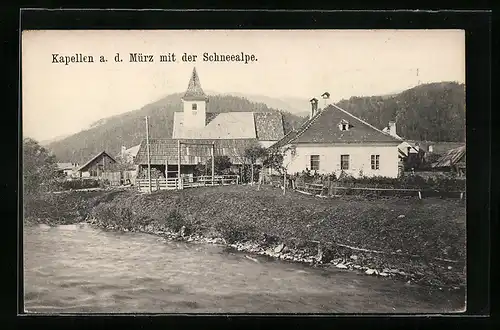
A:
(194, 90)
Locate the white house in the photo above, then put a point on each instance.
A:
(67, 169)
(128, 155)
(196, 122)
(333, 140)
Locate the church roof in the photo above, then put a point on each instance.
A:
(194, 90)
(264, 126)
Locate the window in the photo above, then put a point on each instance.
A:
(194, 107)
(344, 162)
(375, 162)
(314, 162)
(344, 125)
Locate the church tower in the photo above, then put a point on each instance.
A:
(194, 103)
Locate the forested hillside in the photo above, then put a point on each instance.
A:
(128, 129)
(430, 112)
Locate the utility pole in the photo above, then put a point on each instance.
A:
(213, 163)
(148, 152)
(284, 181)
(178, 164)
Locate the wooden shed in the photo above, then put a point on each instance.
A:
(97, 165)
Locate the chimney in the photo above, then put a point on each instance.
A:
(392, 128)
(314, 106)
(430, 148)
(325, 96)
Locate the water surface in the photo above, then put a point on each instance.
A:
(76, 268)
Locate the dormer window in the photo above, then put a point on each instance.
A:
(344, 125)
(194, 107)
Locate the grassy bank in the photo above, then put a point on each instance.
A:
(417, 240)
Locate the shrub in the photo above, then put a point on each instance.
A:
(234, 232)
(440, 183)
(175, 221)
(78, 184)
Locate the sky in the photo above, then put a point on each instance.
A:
(60, 99)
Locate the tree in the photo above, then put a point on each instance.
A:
(274, 160)
(39, 168)
(221, 165)
(253, 154)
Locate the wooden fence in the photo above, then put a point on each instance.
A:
(118, 178)
(185, 182)
(332, 190)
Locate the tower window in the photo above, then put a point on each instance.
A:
(194, 107)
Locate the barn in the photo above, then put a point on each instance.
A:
(97, 165)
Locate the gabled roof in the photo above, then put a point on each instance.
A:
(438, 147)
(269, 126)
(452, 157)
(133, 150)
(81, 168)
(227, 125)
(323, 128)
(65, 166)
(264, 126)
(194, 90)
(166, 150)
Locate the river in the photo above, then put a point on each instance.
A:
(76, 268)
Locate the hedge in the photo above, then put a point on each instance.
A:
(405, 182)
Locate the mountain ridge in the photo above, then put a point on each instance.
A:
(434, 111)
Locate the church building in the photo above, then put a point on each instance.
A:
(197, 122)
(229, 132)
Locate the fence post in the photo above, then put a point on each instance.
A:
(157, 184)
(419, 195)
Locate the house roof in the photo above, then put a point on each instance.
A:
(133, 150)
(65, 166)
(323, 128)
(269, 126)
(162, 150)
(227, 125)
(264, 126)
(452, 157)
(194, 90)
(437, 147)
(81, 168)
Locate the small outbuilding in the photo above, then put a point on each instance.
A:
(453, 160)
(100, 163)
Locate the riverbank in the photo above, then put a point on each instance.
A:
(421, 241)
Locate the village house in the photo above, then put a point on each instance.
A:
(97, 165)
(405, 148)
(164, 154)
(67, 169)
(453, 160)
(230, 133)
(127, 156)
(334, 141)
